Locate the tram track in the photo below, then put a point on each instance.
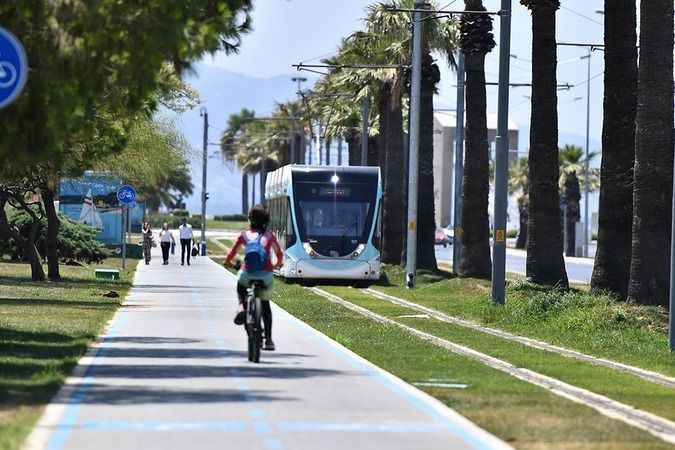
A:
(656, 425)
(644, 374)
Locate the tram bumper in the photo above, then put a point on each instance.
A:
(337, 269)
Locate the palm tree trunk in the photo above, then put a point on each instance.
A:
(263, 178)
(391, 113)
(652, 188)
(244, 193)
(545, 263)
(253, 203)
(426, 217)
(523, 206)
(329, 142)
(339, 151)
(611, 271)
(475, 250)
(353, 148)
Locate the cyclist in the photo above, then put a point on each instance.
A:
(259, 244)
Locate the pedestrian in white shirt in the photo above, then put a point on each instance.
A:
(185, 230)
(165, 240)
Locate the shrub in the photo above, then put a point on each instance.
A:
(76, 241)
(231, 218)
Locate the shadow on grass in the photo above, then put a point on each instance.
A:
(96, 303)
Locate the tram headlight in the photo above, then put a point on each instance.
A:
(358, 251)
(309, 250)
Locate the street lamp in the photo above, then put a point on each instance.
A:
(204, 113)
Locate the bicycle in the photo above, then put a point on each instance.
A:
(253, 321)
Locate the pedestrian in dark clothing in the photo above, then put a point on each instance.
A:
(166, 241)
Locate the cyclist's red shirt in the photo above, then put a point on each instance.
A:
(268, 240)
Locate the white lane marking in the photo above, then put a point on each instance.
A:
(648, 375)
(658, 426)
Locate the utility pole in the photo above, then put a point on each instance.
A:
(459, 165)
(502, 158)
(295, 151)
(588, 144)
(204, 113)
(413, 164)
(365, 122)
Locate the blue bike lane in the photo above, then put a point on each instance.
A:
(171, 372)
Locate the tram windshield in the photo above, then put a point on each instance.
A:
(335, 215)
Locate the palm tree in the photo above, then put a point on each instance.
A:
(652, 189)
(545, 262)
(235, 125)
(477, 41)
(519, 184)
(615, 218)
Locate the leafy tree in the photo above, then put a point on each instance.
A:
(545, 264)
(615, 217)
(94, 67)
(652, 188)
(477, 41)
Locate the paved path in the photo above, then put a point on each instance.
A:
(579, 270)
(171, 373)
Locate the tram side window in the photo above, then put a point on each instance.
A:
(290, 232)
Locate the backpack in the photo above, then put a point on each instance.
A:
(255, 254)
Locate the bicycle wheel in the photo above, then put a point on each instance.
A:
(257, 331)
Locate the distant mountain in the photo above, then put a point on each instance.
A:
(223, 93)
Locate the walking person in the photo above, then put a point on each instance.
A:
(147, 241)
(166, 240)
(185, 231)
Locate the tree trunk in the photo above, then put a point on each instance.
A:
(354, 148)
(53, 225)
(244, 193)
(393, 215)
(545, 263)
(329, 142)
(30, 252)
(253, 203)
(523, 206)
(426, 218)
(339, 152)
(611, 271)
(652, 188)
(373, 158)
(475, 244)
(263, 178)
(572, 214)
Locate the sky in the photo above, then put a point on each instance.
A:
(287, 32)
(290, 31)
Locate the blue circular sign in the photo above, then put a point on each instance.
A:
(126, 195)
(13, 67)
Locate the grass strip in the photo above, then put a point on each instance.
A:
(44, 329)
(526, 416)
(595, 324)
(619, 386)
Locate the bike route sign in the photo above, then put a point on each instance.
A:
(126, 195)
(13, 67)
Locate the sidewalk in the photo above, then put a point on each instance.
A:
(171, 372)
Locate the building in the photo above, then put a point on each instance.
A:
(444, 149)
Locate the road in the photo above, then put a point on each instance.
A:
(579, 270)
(171, 373)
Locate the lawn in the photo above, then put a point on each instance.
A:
(229, 225)
(590, 323)
(44, 329)
(526, 416)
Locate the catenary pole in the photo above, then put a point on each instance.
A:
(588, 144)
(205, 114)
(413, 164)
(502, 158)
(459, 164)
(365, 113)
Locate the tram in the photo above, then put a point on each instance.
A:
(327, 219)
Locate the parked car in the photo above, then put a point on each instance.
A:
(441, 238)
